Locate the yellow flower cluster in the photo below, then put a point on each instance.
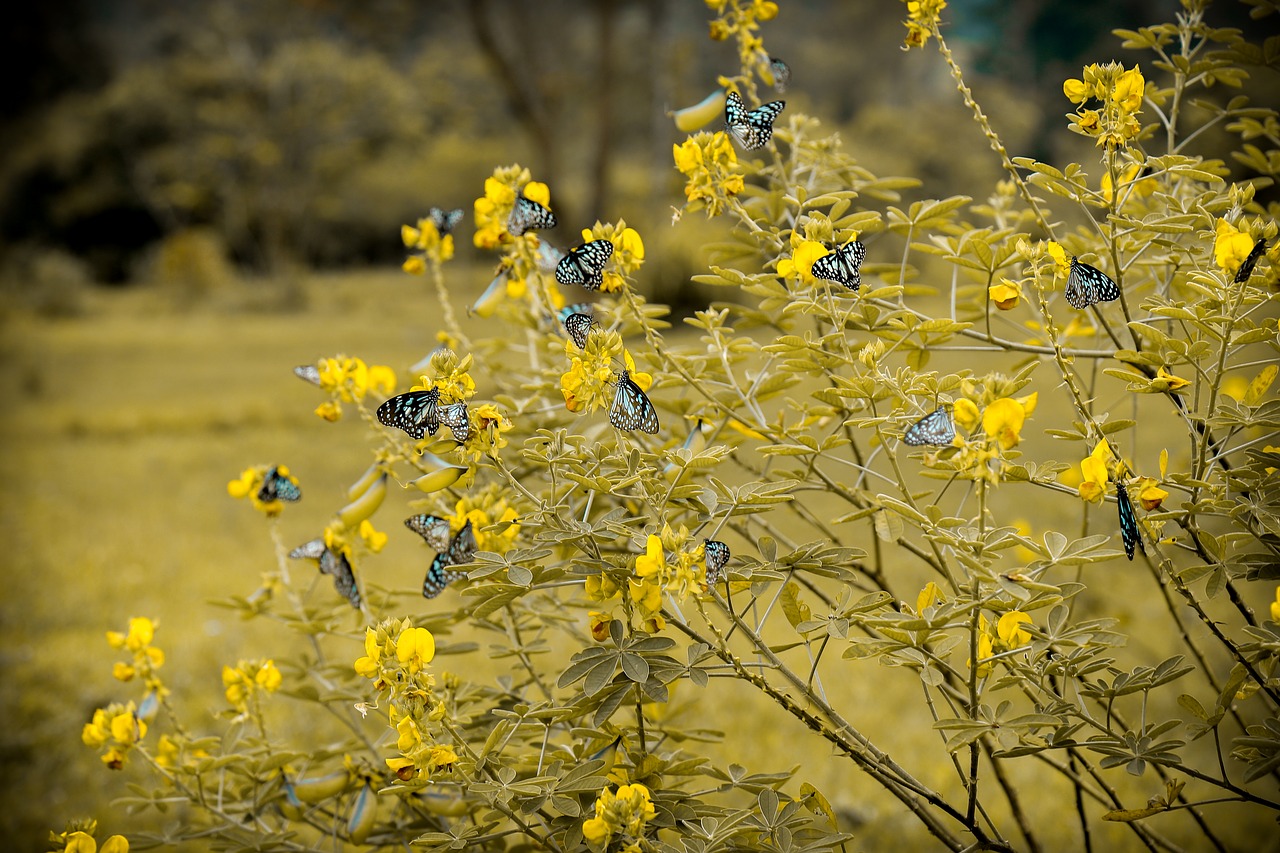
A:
(1101, 466)
(1001, 420)
(115, 730)
(624, 813)
(655, 575)
(628, 253)
(710, 166)
(82, 841)
(1007, 635)
(246, 679)
(922, 21)
(741, 19)
(249, 485)
(397, 658)
(526, 262)
(429, 245)
(146, 657)
(587, 385)
(487, 508)
(348, 380)
(1114, 122)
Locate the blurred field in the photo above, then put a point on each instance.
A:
(125, 424)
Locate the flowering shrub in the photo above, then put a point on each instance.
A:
(827, 485)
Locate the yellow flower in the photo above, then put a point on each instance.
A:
(800, 264)
(1005, 295)
(1275, 607)
(598, 625)
(965, 413)
(1230, 247)
(268, 677)
(653, 563)
(622, 813)
(373, 539)
(1077, 91)
(1059, 256)
(82, 842)
(601, 587)
(928, 597)
(1150, 495)
(242, 681)
(709, 163)
(415, 647)
(985, 649)
(1141, 188)
(116, 727)
(1009, 632)
(329, 411)
(647, 594)
(371, 664)
(1003, 420)
(1165, 381)
(1093, 470)
(141, 633)
(1128, 90)
(586, 386)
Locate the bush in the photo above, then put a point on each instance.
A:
(972, 481)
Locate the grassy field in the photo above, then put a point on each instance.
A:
(124, 425)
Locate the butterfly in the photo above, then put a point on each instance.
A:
(1087, 285)
(1246, 268)
(935, 428)
(416, 412)
(308, 373)
(578, 326)
(528, 215)
(1128, 521)
(460, 550)
(717, 555)
(584, 264)
(751, 128)
(278, 487)
(781, 74)
(457, 419)
(334, 564)
(631, 409)
(843, 265)
(444, 220)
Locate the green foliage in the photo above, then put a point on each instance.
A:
(571, 695)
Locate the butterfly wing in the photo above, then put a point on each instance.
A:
(344, 579)
(457, 419)
(432, 528)
(308, 550)
(717, 556)
(584, 264)
(844, 265)
(578, 326)
(1129, 531)
(460, 550)
(445, 220)
(277, 487)
(935, 428)
(416, 412)
(528, 215)
(781, 74)
(631, 409)
(762, 118)
(1246, 268)
(307, 373)
(1087, 284)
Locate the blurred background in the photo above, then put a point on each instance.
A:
(195, 196)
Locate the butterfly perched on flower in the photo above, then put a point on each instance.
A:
(843, 265)
(752, 128)
(631, 409)
(717, 556)
(1246, 268)
(307, 373)
(584, 264)
(528, 215)
(781, 74)
(578, 327)
(444, 220)
(935, 428)
(1129, 532)
(334, 564)
(450, 552)
(277, 486)
(1087, 285)
(456, 417)
(416, 412)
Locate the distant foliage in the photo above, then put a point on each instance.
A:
(920, 451)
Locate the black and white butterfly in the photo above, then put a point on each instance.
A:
(432, 528)
(416, 412)
(278, 487)
(460, 550)
(444, 220)
(844, 265)
(1129, 532)
(781, 74)
(1246, 268)
(935, 428)
(335, 565)
(578, 327)
(456, 417)
(528, 215)
(752, 128)
(307, 373)
(631, 409)
(1087, 285)
(584, 264)
(717, 556)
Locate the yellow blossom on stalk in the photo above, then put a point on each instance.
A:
(653, 563)
(628, 252)
(1275, 607)
(1119, 94)
(374, 539)
(1093, 471)
(244, 680)
(250, 484)
(624, 812)
(1230, 247)
(709, 164)
(329, 411)
(965, 413)
(598, 625)
(928, 597)
(1060, 259)
(922, 20)
(115, 729)
(1129, 89)
(586, 386)
(1006, 294)
(1150, 495)
(415, 648)
(800, 264)
(601, 587)
(1009, 632)
(371, 664)
(488, 508)
(1077, 91)
(168, 753)
(1129, 177)
(430, 245)
(451, 375)
(1165, 381)
(985, 648)
(146, 657)
(82, 842)
(1003, 420)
